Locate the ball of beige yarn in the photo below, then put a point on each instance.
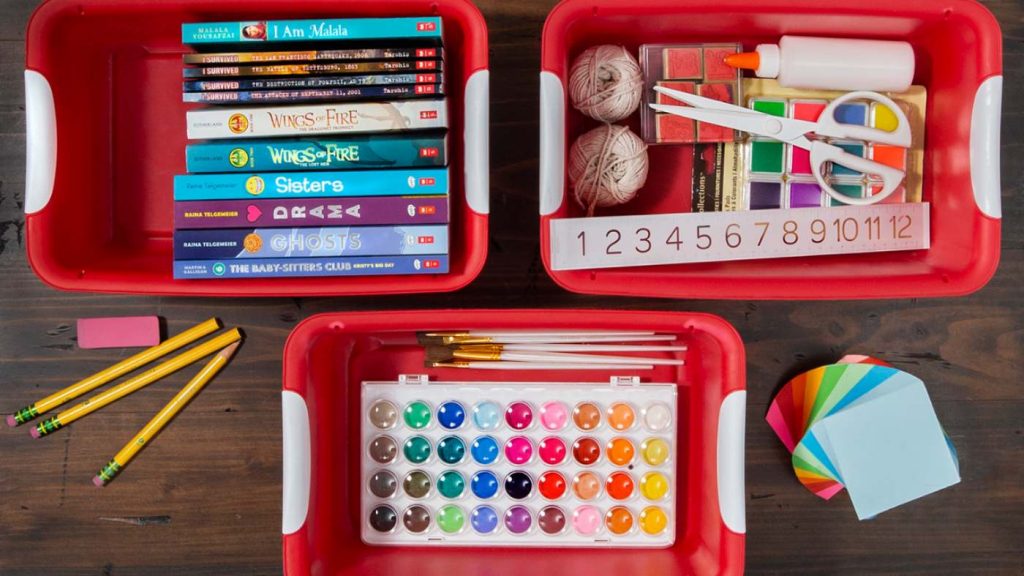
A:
(607, 166)
(605, 83)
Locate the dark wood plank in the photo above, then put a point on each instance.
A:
(205, 499)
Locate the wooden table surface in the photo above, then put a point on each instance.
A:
(206, 497)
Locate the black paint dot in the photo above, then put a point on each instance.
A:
(383, 519)
(518, 485)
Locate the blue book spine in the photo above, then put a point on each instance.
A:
(240, 243)
(406, 182)
(297, 267)
(310, 30)
(354, 153)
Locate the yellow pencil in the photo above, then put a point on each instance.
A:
(114, 372)
(125, 388)
(163, 417)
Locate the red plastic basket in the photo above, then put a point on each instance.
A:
(106, 133)
(959, 60)
(328, 356)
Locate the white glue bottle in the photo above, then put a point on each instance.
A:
(832, 63)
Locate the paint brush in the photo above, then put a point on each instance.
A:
(442, 354)
(499, 365)
(426, 339)
(557, 347)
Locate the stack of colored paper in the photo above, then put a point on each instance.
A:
(867, 427)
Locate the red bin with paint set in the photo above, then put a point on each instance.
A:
(958, 50)
(328, 359)
(106, 134)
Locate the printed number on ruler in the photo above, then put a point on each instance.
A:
(618, 241)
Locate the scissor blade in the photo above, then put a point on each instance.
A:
(736, 120)
(700, 101)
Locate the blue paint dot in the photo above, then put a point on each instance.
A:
(484, 519)
(485, 450)
(487, 415)
(451, 415)
(484, 484)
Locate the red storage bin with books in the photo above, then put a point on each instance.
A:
(958, 49)
(106, 132)
(329, 356)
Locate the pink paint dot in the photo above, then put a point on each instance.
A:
(586, 520)
(519, 415)
(554, 415)
(518, 450)
(552, 450)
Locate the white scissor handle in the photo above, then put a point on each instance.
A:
(828, 126)
(822, 153)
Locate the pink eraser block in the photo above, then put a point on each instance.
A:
(120, 332)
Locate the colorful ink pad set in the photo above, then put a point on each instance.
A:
(693, 68)
(780, 175)
(518, 464)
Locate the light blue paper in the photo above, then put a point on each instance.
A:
(888, 447)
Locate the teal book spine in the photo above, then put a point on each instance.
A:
(353, 153)
(278, 185)
(311, 30)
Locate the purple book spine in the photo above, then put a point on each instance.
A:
(270, 213)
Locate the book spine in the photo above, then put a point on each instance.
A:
(367, 211)
(402, 53)
(227, 244)
(355, 117)
(311, 82)
(313, 94)
(409, 182)
(381, 67)
(355, 152)
(310, 30)
(305, 267)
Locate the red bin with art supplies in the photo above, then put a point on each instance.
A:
(729, 150)
(478, 442)
(115, 131)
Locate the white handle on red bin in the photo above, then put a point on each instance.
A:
(40, 142)
(730, 448)
(552, 143)
(296, 461)
(986, 121)
(476, 131)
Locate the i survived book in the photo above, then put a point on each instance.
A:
(304, 82)
(314, 94)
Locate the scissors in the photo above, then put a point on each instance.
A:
(795, 132)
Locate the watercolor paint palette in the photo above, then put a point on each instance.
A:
(518, 464)
(780, 175)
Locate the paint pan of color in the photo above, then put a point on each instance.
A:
(383, 449)
(518, 520)
(851, 190)
(554, 416)
(416, 519)
(451, 449)
(552, 450)
(586, 520)
(519, 415)
(586, 416)
(855, 148)
(619, 520)
(383, 519)
(451, 415)
(484, 484)
(551, 485)
(451, 484)
(383, 415)
(551, 520)
(518, 450)
(620, 451)
(765, 195)
(383, 484)
(855, 113)
(417, 484)
(586, 451)
(804, 195)
(586, 486)
(485, 450)
(619, 485)
(451, 519)
(518, 485)
(417, 449)
(621, 416)
(417, 415)
(484, 519)
(766, 156)
(487, 415)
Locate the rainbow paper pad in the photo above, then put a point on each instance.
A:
(867, 427)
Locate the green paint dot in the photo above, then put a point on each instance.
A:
(766, 157)
(451, 449)
(851, 190)
(416, 449)
(450, 519)
(771, 107)
(417, 415)
(451, 484)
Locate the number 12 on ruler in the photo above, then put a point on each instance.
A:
(618, 241)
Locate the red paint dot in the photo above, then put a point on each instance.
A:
(551, 485)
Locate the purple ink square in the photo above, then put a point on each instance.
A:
(804, 195)
(765, 195)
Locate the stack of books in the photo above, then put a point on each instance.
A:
(329, 161)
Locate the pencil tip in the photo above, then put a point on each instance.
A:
(11, 421)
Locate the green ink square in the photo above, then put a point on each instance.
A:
(771, 107)
(851, 190)
(766, 156)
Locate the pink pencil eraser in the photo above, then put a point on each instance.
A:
(34, 432)
(98, 482)
(11, 421)
(119, 332)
